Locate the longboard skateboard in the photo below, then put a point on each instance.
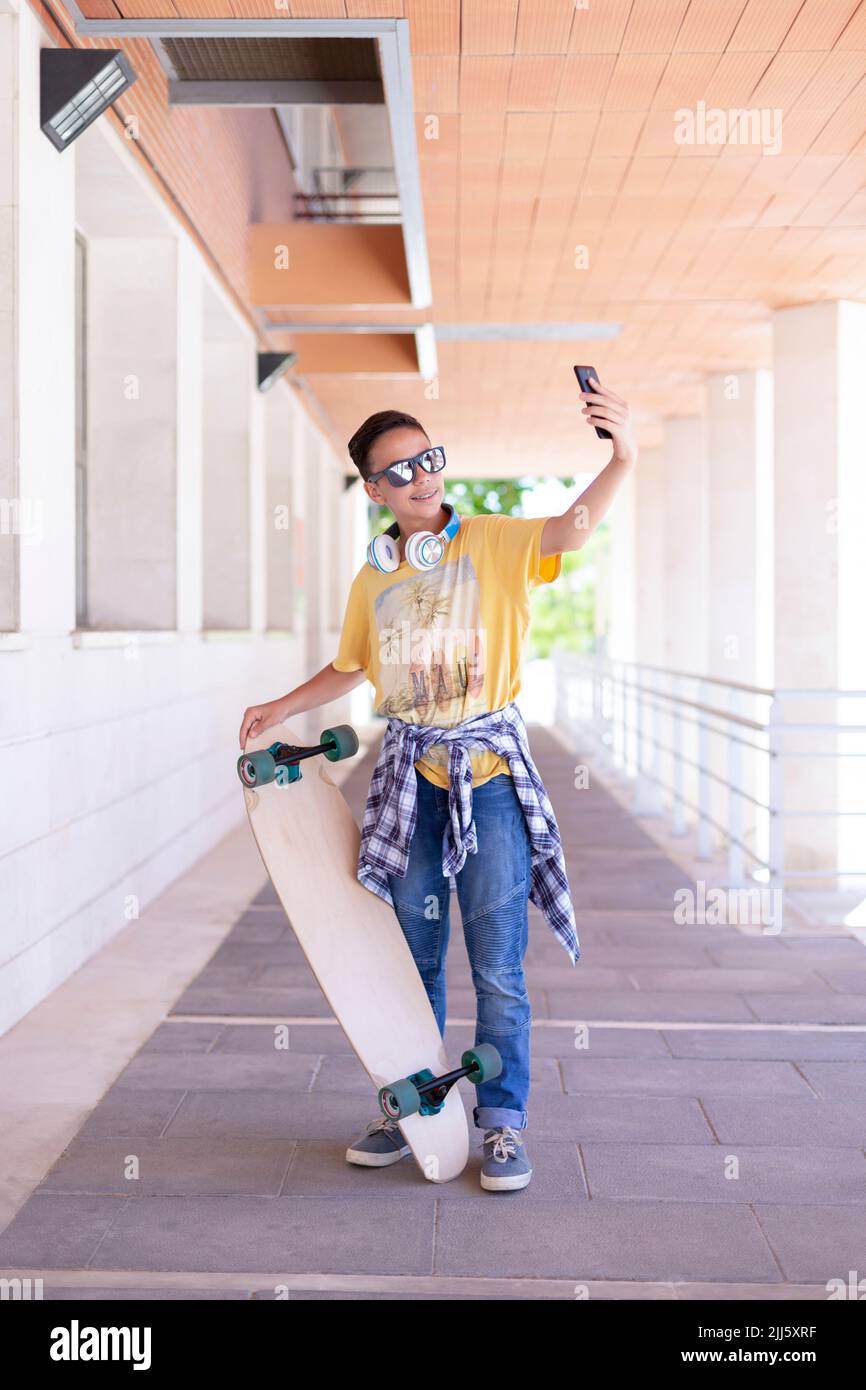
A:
(309, 842)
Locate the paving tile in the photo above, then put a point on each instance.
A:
(679, 1172)
(654, 954)
(585, 976)
(296, 976)
(731, 981)
(837, 1080)
(282, 1070)
(807, 1008)
(274, 1114)
(662, 1006)
(182, 1037)
(598, 1042)
(783, 954)
(58, 1231)
(818, 1243)
(618, 1119)
(229, 976)
(793, 1046)
(791, 1121)
(172, 1167)
(303, 1039)
(846, 980)
(603, 1240)
(259, 927)
(122, 1112)
(331, 1235)
(266, 896)
(680, 1076)
(285, 952)
(254, 1002)
(825, 950)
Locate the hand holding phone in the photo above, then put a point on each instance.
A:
(583, 375)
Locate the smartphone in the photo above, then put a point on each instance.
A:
(583, 374)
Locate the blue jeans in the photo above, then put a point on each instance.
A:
(493, 890)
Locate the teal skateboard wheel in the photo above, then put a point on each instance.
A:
(399, 1099)
(345, 740)
(485, 1062)
(257, 769)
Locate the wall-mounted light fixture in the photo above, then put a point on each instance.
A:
(76, 86)
(273, 365)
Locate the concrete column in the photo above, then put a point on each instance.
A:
(259, 530)
(739, 588)
(740, 461)
(37, 308)
(820, 566)
(685, 550)
(650, 540)
(132, 401)
(321, 534)
(190, 424)
(621, 642)
(228, 488)
(685, 589)
(299, 497)
(279, 509)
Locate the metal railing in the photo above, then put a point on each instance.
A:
(712, 755)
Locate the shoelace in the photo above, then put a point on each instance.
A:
(385, 1123)
(505, 1143)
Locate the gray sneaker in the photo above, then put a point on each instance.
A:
(380, 1144)
(505, 1167)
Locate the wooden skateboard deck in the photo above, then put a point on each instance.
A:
(308, 840)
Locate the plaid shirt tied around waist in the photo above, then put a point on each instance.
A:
(391, 810)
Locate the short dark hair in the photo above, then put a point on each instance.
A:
(366, 435)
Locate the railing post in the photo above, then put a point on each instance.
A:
(678, 826)
(598, 703)
(735, 802)
(620, 682)
(705, 839)
(646, 798)
(776, 801)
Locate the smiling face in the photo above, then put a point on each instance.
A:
(417, 506)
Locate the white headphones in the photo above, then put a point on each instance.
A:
(424, 549)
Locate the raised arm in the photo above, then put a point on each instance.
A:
(573, 529)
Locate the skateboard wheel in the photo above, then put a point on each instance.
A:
(255, 769)
(399, 1100)
(485, 1060)
(345, 739)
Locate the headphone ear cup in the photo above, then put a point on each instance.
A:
(424, 550)
(383, 554)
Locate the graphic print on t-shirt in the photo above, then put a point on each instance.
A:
(431, 646)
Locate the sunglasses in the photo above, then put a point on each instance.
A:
(402, 473)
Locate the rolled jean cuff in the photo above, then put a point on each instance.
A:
(494, 1116)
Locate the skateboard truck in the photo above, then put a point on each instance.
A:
(280, 762)
(424, 1094)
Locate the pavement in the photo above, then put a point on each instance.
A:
(697, 1119)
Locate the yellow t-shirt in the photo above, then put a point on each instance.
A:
(443, 645)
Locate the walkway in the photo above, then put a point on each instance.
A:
(709, 1140)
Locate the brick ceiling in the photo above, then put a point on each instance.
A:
(544, 128)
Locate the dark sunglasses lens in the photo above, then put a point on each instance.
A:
(400, 473)
(433, 461)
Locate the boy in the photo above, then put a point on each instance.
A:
(436, 620)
